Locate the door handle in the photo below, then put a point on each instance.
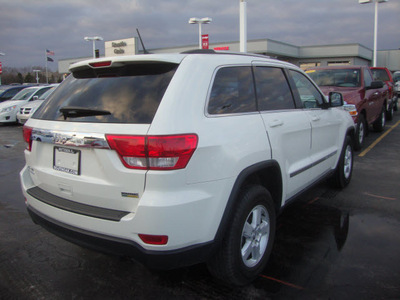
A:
(275, 123)
(315, 118)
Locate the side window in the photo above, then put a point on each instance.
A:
(273, 91)
(309, 95)
(367, 78)
(41, 92)
(232, 91)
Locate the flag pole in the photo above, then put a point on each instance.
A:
(47, 78)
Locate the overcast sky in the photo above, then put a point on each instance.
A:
(29, 27)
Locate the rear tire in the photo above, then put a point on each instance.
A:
(342, 176)
(389, 113)
(248, 242)
(379, 124)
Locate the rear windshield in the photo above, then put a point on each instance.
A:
(129, 94)
(336, 77)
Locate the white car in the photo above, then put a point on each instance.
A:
(176, 159)
(27, 110)
(10, 108)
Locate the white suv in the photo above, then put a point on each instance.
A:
(176, 159)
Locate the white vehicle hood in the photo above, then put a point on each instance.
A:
(11, 103)
(33, 104)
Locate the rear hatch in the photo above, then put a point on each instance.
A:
(70, 158)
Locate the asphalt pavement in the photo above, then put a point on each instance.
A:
(330, 244)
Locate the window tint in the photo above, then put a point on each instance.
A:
(130, 93)
(309, 95)
(232, 91)
(273, 92)
(335, 77)
(41, 92)
(380, 74)
(367, 78)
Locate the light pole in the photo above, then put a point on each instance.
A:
(243, 26)
(200, 21)
(93, 39)
(1, 67)
(37, 75)
(375, 24)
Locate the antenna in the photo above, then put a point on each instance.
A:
(141, 41)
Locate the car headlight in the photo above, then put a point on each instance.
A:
(8, 109)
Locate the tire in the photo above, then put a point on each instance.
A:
(248, 241)
(389, 113)
(395, 103)
(379, 124)
(361, 132)
(344, 169)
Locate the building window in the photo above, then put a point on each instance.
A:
(306, 65)
(339, 63)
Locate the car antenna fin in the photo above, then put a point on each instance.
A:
(141, 41)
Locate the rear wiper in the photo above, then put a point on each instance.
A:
(77, 112)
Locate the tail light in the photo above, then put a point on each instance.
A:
(154, 239)
(27, 133)
(154, 152)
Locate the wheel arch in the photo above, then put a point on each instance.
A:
(267, 174)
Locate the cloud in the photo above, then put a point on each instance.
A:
(28, 27)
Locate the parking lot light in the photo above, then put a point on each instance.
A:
(375, 23)
(200, 21)
(93, 39)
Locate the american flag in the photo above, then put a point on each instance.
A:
(48, 52)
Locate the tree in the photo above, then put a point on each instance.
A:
(29, 78)
(20, 78)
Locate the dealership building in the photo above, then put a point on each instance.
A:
(302, 56)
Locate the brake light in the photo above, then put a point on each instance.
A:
(27, 133)
(154, 239)
(100, 64)
(171, 152)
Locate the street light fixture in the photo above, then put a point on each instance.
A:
(37, 75)
(200, 21)
(93, 39)
(376, 23)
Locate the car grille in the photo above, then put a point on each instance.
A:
(25, 110)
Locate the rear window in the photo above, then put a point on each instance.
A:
(130, 93)
(380, 74)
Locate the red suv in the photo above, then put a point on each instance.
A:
(385, 75)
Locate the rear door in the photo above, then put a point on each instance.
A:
(71, 157)
(325, 125)
(288, 128)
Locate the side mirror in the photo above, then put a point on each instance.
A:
(35, 98)
(335, 99)
(378, 84)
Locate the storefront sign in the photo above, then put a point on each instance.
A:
(121, 47)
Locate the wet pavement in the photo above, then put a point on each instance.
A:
(330, 244)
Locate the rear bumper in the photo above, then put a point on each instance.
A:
(163, 260)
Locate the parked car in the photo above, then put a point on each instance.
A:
(9, 91)
(9, 108)
(358, 87)
(27, 110)
(385, 75)
(176, 159)
(396, 78)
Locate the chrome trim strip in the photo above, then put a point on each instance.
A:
(74, 139)
(312, 164)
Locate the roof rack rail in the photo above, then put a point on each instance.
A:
(199, 51)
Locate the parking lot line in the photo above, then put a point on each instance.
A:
(378, 140)
(283, 282)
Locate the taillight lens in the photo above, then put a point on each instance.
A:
(27, 133)
(154, 239)
(171, 152)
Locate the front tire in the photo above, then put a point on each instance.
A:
(344, 169)
(248, 242)
(361, 132)
(389, 113)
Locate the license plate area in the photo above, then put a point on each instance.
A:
(67, 160)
